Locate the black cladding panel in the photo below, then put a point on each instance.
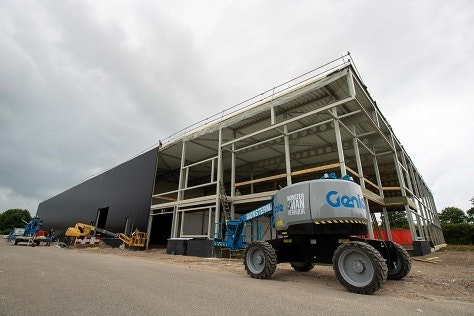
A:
(126, 190)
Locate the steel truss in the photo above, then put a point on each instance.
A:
(323, 124)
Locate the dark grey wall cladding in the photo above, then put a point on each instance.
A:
(125, 189)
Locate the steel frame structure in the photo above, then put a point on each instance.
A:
(324, 121)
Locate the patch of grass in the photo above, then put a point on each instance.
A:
(460, 247)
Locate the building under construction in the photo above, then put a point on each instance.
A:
(322, 122)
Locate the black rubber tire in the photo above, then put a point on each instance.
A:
(304, 266)
(15, 242)
(260, 260)
(403, 264)
(359, 267)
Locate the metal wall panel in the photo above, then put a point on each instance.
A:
(126, 190)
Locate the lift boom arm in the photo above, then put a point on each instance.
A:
(81, 229)
(233, 237)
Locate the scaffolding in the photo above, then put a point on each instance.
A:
(323, 121)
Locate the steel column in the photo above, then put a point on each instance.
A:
(219, 181)
(232, 181)
(360, 171)
(384, 208)
(340, 150)
(287, 155)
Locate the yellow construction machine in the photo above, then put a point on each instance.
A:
(83, 230)
(137, 239)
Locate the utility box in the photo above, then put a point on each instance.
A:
(421, 247)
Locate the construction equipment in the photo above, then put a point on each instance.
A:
(318, 221)
(29, 233)
(137, 239)
(82, 231)
(15, 232)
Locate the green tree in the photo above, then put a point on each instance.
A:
(397, 219)
(458, 234)
(470, 215)
(452, 215)
(13, 218)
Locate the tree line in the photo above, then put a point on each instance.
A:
(13, 218)
(457, 225)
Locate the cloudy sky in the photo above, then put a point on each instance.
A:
(86, 85)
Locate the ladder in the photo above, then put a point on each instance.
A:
(224, 202)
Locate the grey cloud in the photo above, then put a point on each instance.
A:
(82, 91)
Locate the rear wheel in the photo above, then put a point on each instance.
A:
(402, 266)
(260, 260)
(302, 266)
(359, 267)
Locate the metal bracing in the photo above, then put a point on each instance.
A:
(426, 203)
(374, 125)
(316, 127)
(425, 210)
(328, 149)
(290, 120)
(409, 189)
(396, 162)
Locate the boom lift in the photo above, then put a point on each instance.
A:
(82, 230)
(29, 233)
(318, 221)
(137, 239)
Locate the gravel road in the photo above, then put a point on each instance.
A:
(55, 281)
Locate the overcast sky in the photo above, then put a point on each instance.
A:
(87, 85)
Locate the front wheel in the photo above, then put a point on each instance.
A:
(260, 260)
(402, 266)
(302, 266)
(359, 267)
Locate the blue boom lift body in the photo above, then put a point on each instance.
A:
(31, 229)
(319, 221)
(234, 238)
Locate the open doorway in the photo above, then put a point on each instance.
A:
(160, 230)
(101, 218)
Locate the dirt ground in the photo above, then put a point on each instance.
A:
(448, 274)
